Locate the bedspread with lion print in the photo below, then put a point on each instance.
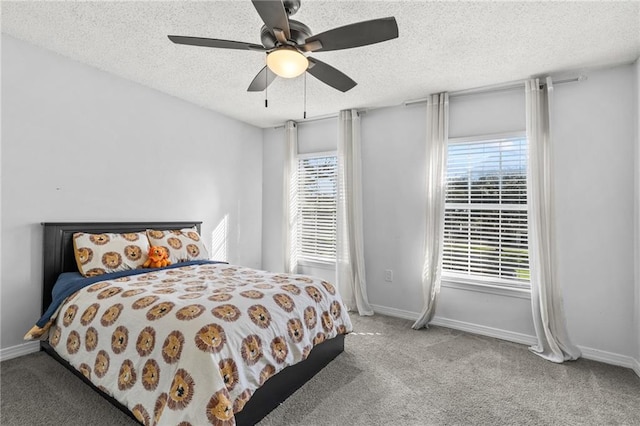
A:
(190, 345)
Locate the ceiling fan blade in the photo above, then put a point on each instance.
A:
(273, 15)
(329, 75)
(213, 42)
(353, 35)
(260, 82)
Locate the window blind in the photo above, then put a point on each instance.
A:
(485, 225)
(317, 216)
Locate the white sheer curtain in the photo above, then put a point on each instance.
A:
(437, 135)
(546, 298)
(289, 197)
(350, 276)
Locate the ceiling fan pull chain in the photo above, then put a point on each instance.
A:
(266, 85)
(304, 116)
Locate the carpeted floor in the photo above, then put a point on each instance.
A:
(388, 375)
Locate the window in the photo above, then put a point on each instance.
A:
(485, 225)
(317, 195)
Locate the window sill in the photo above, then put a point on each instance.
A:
(331, 266)
(481, 287)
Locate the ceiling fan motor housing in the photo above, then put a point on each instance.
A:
(299, 33)
(291, 6)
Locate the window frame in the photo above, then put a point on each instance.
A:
(488, 284)
(300, 259)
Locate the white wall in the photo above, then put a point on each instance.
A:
(637, 216)
(595, 132)
(79, 144)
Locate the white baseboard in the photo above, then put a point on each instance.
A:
(511, 336)
(459, 325)
(19, 350)
(610, 358)
(636, 367)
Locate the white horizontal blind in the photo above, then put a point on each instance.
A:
(317, 193)
(485, 225)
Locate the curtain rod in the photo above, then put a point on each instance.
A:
(320, 117)
(493, 88)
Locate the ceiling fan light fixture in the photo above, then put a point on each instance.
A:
(287, 62)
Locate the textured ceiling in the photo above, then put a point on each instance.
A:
(442, 46)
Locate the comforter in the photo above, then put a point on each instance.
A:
(190, 345)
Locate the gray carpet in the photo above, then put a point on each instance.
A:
(388, 375)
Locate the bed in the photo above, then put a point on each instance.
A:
(276, 381)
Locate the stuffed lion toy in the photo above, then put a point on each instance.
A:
(158, 258)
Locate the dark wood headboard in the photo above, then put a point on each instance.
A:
(58, 256)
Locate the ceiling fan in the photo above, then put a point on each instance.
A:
(286, 43)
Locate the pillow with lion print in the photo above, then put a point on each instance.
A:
(181, 244)
(98, 254)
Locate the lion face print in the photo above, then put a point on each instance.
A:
(284, 301)
(220, 409)
(193, 235)
(122, 280)
(144, 302)
(211, 338)
(226, 312)
(101, 365)
(150, 374)
(193, 250)
(111, 259)
(259, 315)
(161, 402)
(165, 291)
(319, 338)
(109, 292)
(294, 327)
(220, 297)
(131, 236)
(229, 373)
(196, 288)
(341, 329)
(172, 347)
(310, 317)
(266, 373)
(133, 253)
(279, 349)
(330, 288)
(91, 339)
(141, 414)
(306, 351)
(155, 234)
(111, 315)
(99, 239)
(241, 401)
(133, 292)
(252, 294)
(174, 243)
(127, 375)
(69, 315)
(335, 309)
(327, 321)
(190, 312)
(293, 289)
(264, 286)
(93, 272)
(181, 392)
(119, 339)
(251, 349)
(73, 342)
(314, 293)
(89, 314)
(98, 286)
(84, 255)
(158, 311)
(56, 332)
(85, 370)
(146, 341)
(189, 296)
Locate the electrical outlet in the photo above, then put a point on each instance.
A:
(388, 275)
